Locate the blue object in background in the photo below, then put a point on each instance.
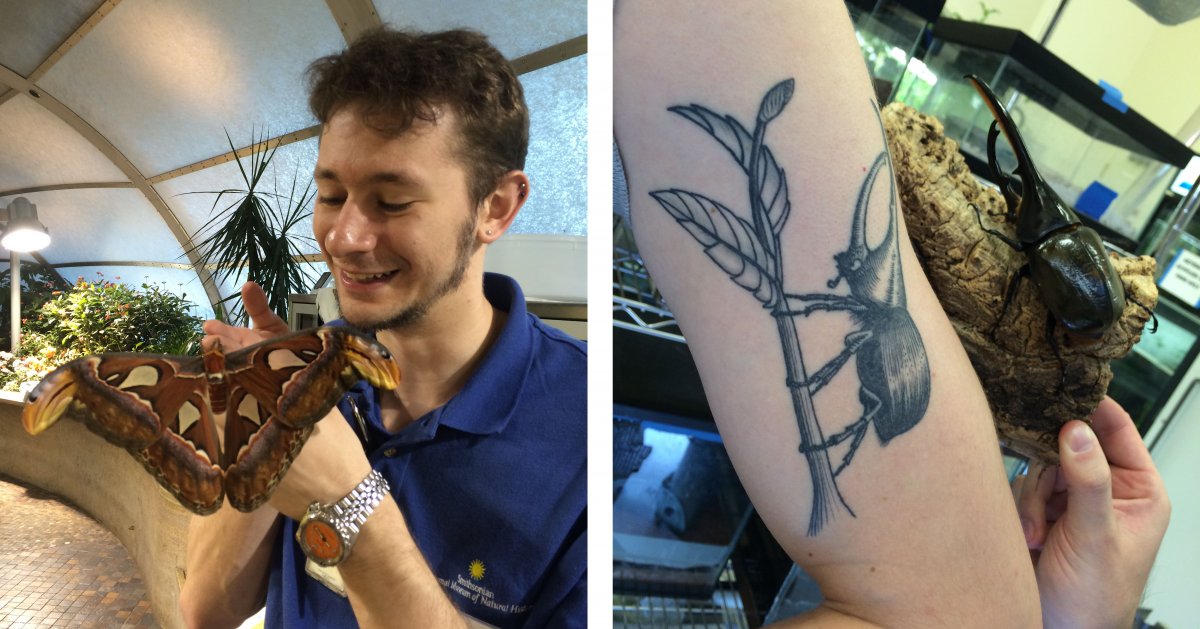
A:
(1113, 98)
(1095, 199)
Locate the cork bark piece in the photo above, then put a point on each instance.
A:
(970, 270)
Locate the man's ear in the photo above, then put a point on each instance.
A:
(501, 206)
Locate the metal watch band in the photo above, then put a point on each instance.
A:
(344, 519)
(352, 510)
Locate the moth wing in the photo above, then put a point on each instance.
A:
(156, 407)
(278, 389)
(258, 448)
(303, 375)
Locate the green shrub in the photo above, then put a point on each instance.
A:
(38, 285)
(97, 317)
(102, 316)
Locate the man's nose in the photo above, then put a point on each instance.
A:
(351, 232)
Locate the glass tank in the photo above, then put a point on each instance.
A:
(1102, 157)
(1146, 377)
(678, 508)
(890, 33)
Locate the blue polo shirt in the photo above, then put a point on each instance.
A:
(493, 485)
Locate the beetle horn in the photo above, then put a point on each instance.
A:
(873, 273)
(1009, 128)
(849, 262)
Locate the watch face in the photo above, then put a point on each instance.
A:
(321, 542)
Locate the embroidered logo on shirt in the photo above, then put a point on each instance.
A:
(476, 570)
(468, 590)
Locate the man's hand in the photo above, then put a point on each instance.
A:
(332, 461)
(266, 323)
(1094, 523)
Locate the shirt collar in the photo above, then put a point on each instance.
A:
(487, 402)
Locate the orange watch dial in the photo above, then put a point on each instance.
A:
(322, 541)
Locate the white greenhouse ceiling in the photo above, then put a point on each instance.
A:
(115, 114)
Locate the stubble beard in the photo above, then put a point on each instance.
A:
(417, 311)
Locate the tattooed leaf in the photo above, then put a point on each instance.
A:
(727, 238)
(734, 137)
(729, 132)
(772, 186)
(775, 100)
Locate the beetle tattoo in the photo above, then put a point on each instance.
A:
(1066, 259)
(891, 363)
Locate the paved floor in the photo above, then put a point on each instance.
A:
(60, 568)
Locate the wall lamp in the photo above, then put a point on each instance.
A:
(22, 232)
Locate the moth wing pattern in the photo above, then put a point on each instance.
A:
(308, 372)
(278, 390)
(259, 448)
(163, 409)
(155, 407)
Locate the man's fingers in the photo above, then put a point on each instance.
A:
(1119, 437)
(232, 337)
(1089, 481)
(261, 316)
(1031, 504)
(212, 327)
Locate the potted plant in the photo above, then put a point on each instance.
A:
(256, 230)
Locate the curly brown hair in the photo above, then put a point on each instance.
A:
(397, 77)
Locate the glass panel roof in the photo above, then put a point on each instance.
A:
(103, 224)
(40, 149)
(164, 79)
(557, 162)
(515, 28)
(31, 31)
(194, 210)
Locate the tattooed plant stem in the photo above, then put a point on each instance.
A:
(819, 467)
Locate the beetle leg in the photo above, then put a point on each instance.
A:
(1153, 319)
(1051, 322)
(871, 405)
(854, 340)
(857, 430)
(858, 437)
(818, 301)
(1012, 243)
(1013, 284)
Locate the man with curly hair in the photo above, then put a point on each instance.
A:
(462, 493)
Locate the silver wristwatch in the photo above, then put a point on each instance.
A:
(327, 532)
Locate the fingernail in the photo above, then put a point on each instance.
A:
(1081, 439)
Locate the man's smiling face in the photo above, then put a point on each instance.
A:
(393, 218)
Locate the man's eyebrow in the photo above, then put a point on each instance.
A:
(379, 177)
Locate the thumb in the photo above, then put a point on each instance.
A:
(1088, 478)
(262, 318)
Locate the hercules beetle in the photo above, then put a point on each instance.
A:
(893, 369)
(1066, 259)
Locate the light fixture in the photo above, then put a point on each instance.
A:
(23, 231)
